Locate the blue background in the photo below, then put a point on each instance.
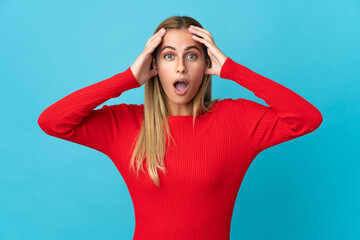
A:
(306, 188)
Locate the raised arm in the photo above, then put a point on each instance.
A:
(74, 119)
(288, 115)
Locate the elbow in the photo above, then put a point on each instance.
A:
(317, 119)
(45, 124)
(307, 124)
(314, 121)
(53, 127)
(41, 121)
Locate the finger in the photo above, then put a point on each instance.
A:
(159, 35)
(199, 29)
(151, 46)
(161, 32)
(203, 35)
(201, 32)
(206, 42)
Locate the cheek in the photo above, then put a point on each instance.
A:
(198, 72)
(163, 68)
(163, 75)
(165, 79)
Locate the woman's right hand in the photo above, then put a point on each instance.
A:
(141, 67)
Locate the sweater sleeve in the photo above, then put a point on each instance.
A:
(288, 115)
(74, 119)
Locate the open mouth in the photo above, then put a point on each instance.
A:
(181, 87)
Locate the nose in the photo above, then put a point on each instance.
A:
(180, 66)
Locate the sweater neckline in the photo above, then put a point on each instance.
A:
(188, 117)
(185, 118)
(182, 118)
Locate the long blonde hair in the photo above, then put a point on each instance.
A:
(155, 133)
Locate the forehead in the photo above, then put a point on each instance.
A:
(179, 39)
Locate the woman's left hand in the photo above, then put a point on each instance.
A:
(217, 57)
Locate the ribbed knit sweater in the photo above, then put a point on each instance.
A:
(196, 196)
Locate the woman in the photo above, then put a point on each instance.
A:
(215, 141)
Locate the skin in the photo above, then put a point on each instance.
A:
(191, 64)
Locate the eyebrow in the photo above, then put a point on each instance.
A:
(186, 49)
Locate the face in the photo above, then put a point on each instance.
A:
(180, 56)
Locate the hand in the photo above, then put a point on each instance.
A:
(141, 67)
(217, 57)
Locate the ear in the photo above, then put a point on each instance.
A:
(154, 63)
(207, 62)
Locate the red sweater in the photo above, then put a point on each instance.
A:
(196, 196)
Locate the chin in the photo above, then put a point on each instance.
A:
(181, 99)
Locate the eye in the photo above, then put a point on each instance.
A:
(166, 55)
(193, 55)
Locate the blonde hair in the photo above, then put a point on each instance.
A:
(153, 137)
